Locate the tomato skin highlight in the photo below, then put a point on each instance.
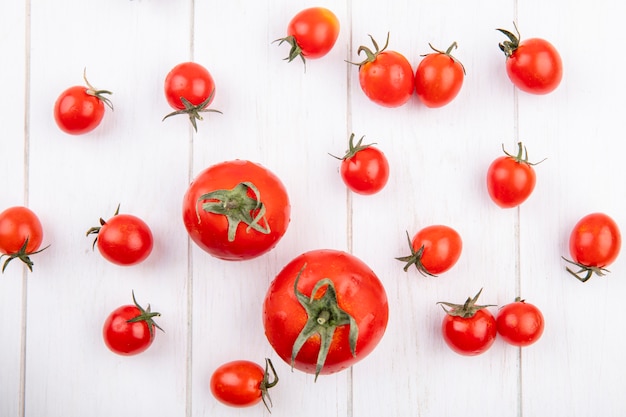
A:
(595, 241)
(76, 112)
(315, 31)
(191, 81)
(237, 383)
(520, 323)
(438, 79)
(469, 336)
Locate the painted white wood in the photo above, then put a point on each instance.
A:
(289, 120)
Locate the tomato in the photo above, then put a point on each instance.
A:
(243, 383)
(189, 89)
(236, 210)
(124, 239)
(468, 329)
(520, 323)
(312, 33)
(325, 311)
(533, 65)
(594, 244)
(434, 249)
(129, 329)
(21, 235)
(439, 78)
(364, 168)
(386, 77)
(79, 109)
(511, 179)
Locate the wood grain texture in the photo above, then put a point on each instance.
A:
(289, 118)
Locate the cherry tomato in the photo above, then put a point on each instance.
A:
(594, 244)
(386, 77)
(533, 65)
(236, 210)
(312, 33)
(129, 329)
(325, 311)
(364, 168)
(189, 89)
(439, 78)
(79, 109)
(511, 179)
(124, 239)
(243, 383)
(21, 235)
(468, 329)
(520, 323)
(434, 249)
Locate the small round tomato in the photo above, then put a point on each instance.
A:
(189, 89)
(364, 168)
(594, 244)
(434, 249)
(79, 109)
(468, 329)
(511, 179)
(124, 239)
(325, 311)
(533, 65)
(386, 77)
(520, 323)
(21, 235)
(439, 78)
(243, 383)
(129, 329)
(312, 33)
(236, 210)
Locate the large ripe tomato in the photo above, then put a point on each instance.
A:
(439, 78)
(124, 239)
(243, 383)
(594, 244)
(434, 249)
(364, 168)
(386, 77)
(533, 65)
(80, 109)
(325, 311)
(189, 89)
(236, 210)
(21, 235)
(312, 33)
(520, 323)
(511, 179)
(129, 329)
(468, 329)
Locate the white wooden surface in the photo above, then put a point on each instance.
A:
(52, 359)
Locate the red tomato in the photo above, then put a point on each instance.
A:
(312, 33)
(386, 77)
(243, 383)
(21, 235)
(533, 65)
(434, 249)
(439, 78)
(520, 323)
(364, 169)
(325, 311)
(124, 239)
(79, 109)
(468, 329)
(236, 210)
(129, 329)
(189, 89)
(511, 179)
(594, 244)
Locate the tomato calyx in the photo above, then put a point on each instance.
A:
(146, 316)
(352, 148)
(295, 50)
(323, 317)
(237, 205)
(193, 111)
(415, 258)
(510, 46)
(465, 310)
(586, 269)
(266, 384)
(92, 91)
(22, 255)
(522, 155)
(448, 53)
(96, 229)
(369, 55)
